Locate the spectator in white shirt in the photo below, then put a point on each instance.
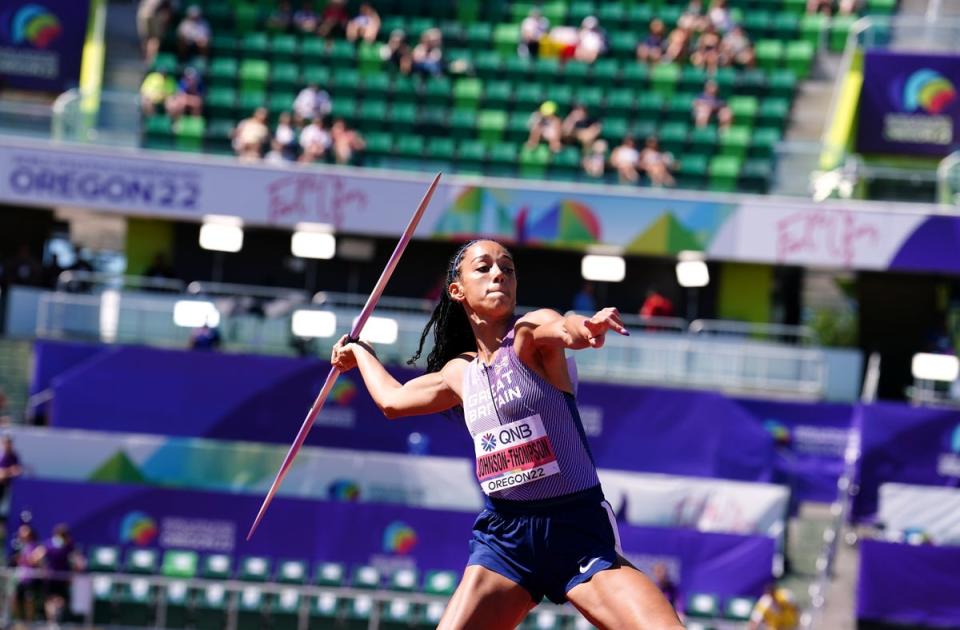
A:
(592, 40)
(315, 141)
(250, 136)
(311, 102)
(532, 28)
(193, 34)
(625, 159)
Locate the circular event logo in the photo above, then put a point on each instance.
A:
(778, 430)
(138, 528)
(34, 24)
(928, 90)
(399, 538)
(343, 490)
(343, 392)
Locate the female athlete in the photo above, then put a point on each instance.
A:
(546, 529)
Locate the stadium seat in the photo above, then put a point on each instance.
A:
(467, 93)
(285, 76)
(440, 583)
(210, 610)
(104, 603)
(291, 572)
(702, 605)
(399, 610)
(176, 604)
(251, 608)
(103, 559)
(533, 162)
(769, 53)
(141, 561)
(703, 140)
(188, 132)
(254, 74)
(491, 125)
(724, 171)
(840, 26)
(738, 608)
(664, 78)
(755, 176)
(734, 141)
(136, 604)
(506, 38)
(179, 564)
(216, 566)
(158, 132)
(324, 607)
(283, 47)
(673, 137)
(799, 57)
(692, 170)
(365, 576)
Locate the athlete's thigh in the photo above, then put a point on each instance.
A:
(623, 599)
(485, 599)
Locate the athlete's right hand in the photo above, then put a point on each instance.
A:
(342, 357)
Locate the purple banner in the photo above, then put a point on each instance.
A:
(258, 398)
(386, 536)
(907, 445)
(908, 103)
(41, 43)
(910, 585)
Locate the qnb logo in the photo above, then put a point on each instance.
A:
(35, 25)
(513, 434)
(138, 528)
(399, 538)
(488, 442)
(928, 90)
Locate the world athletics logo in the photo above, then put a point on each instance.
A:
(926, 90)
(779, 431)
(399, 538)
(343, 392)
(138, 528)
(33, 24)
(488, 442)
(343, 490)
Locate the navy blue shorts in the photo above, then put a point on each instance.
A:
(547, 547)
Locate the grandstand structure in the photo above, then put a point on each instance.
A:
(751, 431)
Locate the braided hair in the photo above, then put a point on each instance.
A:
(452, 334)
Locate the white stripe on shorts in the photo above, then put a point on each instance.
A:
(613, 524)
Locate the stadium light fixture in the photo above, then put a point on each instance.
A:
(935, 367)
(603, 268)
(380, 330)
(195, 313)
(692, 271)
(313, 240)
(109, 315)
(221, 233)
(310, 324)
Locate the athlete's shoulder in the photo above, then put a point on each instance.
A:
(538, 317)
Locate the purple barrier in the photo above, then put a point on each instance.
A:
(907, 445)
(906, 584)
(258, 398)
(386, 536)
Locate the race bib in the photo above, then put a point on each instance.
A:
(513, 455)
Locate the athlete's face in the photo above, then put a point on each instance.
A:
(488, 282)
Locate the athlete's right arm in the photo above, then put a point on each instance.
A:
(430, 393)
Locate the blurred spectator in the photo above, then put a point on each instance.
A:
(428, 54)
(594, 161)
(720, 17)
(156, 88)
(251, 135)
(60, 556)
(775, 610)
(736, 48)
(284, 144)
(10, 467)
(333, 19)
(305, 20)
(844, 7)
(83, 266)
(5, 418)
(580, 127)
(188, 98)
(160, 269)
(280, 19)
(662, 579)
(153, 19)
(397, 52)
(26, 559)
(709, 105)
(692, 19)
(365, 26)
(532, 29)
(206, 337)
(23, 268)
(656, 164)
(584, 301)
(592, 42)
(625, 159)
(311, 102)
(315, 141)
(678, 45)
(545, 126)
(193, 34)
(707, 53)
(650, 50)
(656, 305)
(346, 142)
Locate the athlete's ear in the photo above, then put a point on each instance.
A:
(456, 292)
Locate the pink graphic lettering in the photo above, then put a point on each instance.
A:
(326, 199)
(825, 235)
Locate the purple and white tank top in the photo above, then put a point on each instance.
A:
(527, 434)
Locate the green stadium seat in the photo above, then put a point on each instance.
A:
(329, 574)
(502, 159)
(245, 17)
(136, 604)
(813, 27)
(366, 576)
(612, 14)
(178, 563)
(763, 141)
(528, 97)
(604, 72)
(471, 156)
(579, 9)
(744, 109)
(251, 605)
(142, 561)
(440, 148)
(158, 134)
(254, 44)
(739, 608)
(566, 163)
(285, 613)
(680, 107)
(796, 7)
(313, 50)
(285, 76)
(377, 85)
(517, 129)
(769, 53)
(576, 72)
(368, 59)
(255, 569)
(784, 26)
(622, 44)
(670, 14)
(404, 90)
(664, 78)
(881, 7)
(673, 136)
(703, 140)
(223, 71)
(249, 101)
(649, 106)
(799, 57)
(462, 123)
(221, 45)
(104, 602)
(757, 23)
(319, 75)
(360, 607)
(534, 162)
(734, 141)
(467, 93)
(635, 75)
(291, 572)
(254, 74)
(379, 144)
(750, 83)
(283, 47)
(506, 39)
(620, 102)
(755, 176)
(344, 107)
(488, 65)
(345, 83)
(840, 26)
(692, 170)
(555, 11)
(104, 558)
(497, 94)
(372, 114)
(517, 69)
(702, 605)
(437, 91)
(692, 79)
(592, 98)
(210, 608)
(165, 62)
(408, 146)
(342, 54)
(177, 604)
(479, 35)
(432, 121)
(614, 129)
(773, 112)
(324, 607)
(216, 566)
(782, 84)
(399, 611)
(724, 171)
(440, 583)
(491, 125)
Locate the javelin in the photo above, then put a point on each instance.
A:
(334, 372)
